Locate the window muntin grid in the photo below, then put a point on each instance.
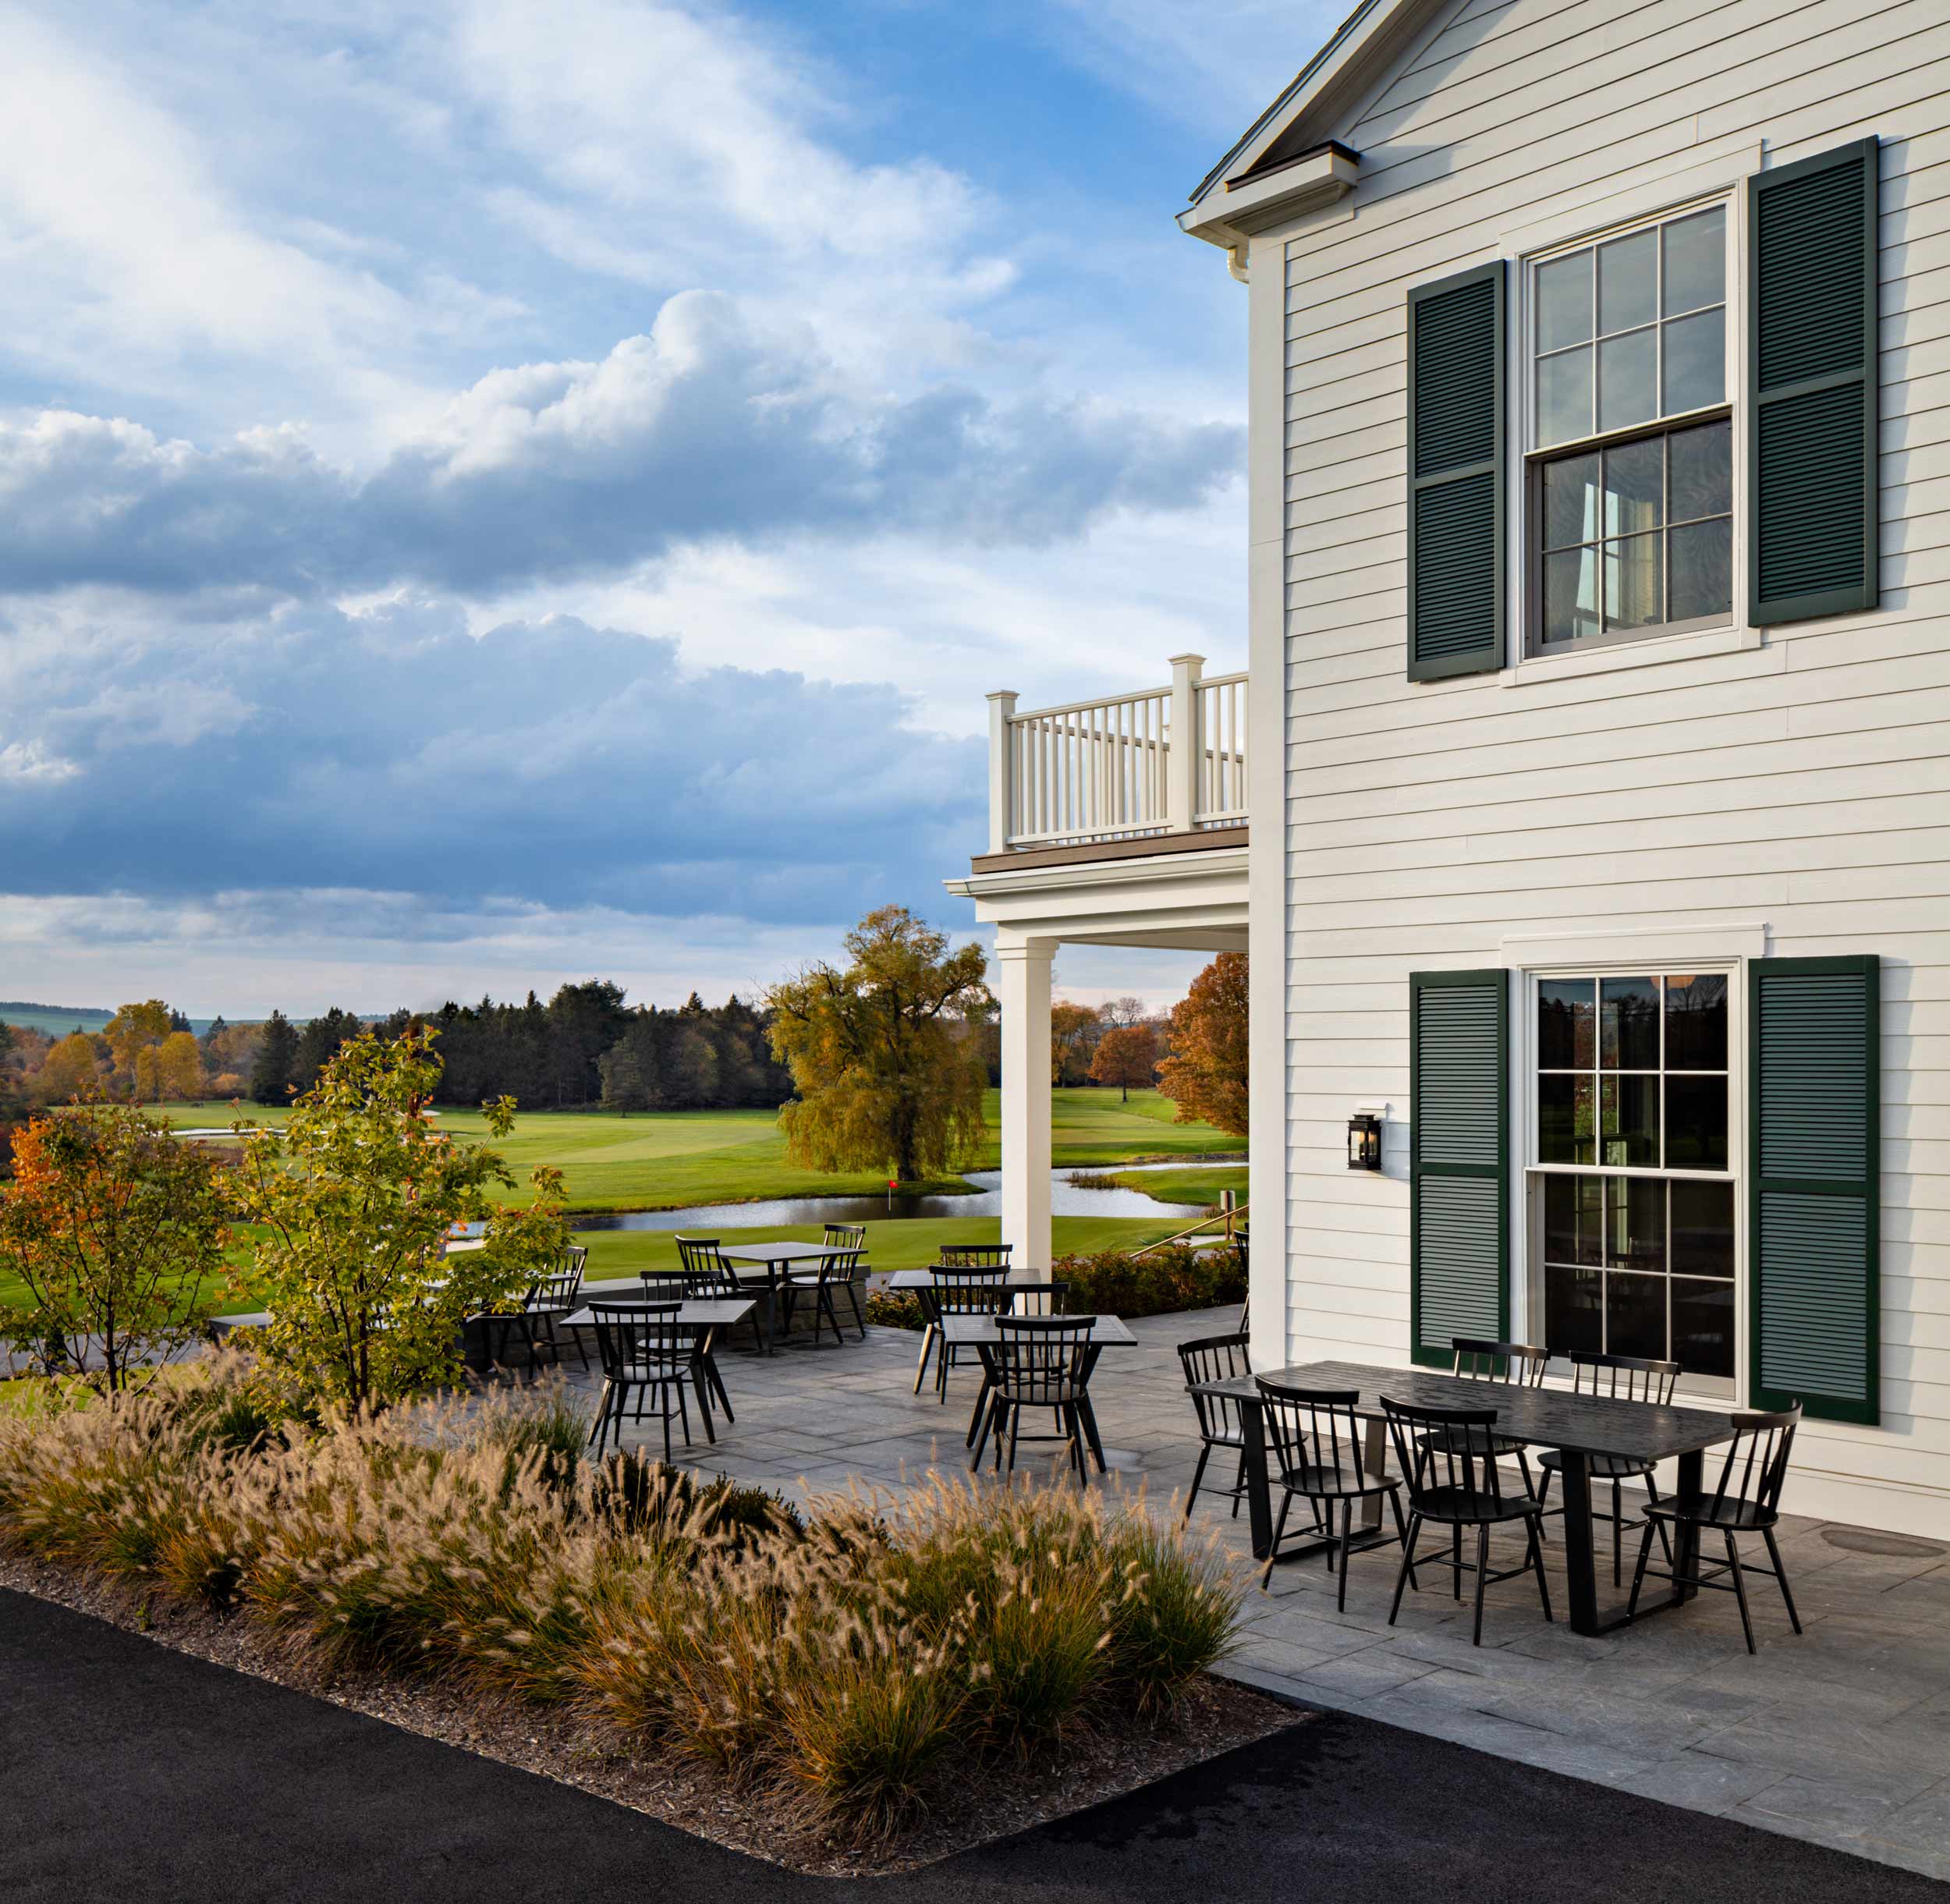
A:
(1633, 1163)
(1631, 330)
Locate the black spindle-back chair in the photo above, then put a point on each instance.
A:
(975, 1255)
(836, 1271)
(845, 1236)
(551, 1298)
(1221, 1423)
(1041, 1362)
(1316, 1445)
(1450, 1457)
(707, 1274)
(1519, 1364)
(1617, 1378)
(1745, 1499)
(644, 1347)
(963, 1291)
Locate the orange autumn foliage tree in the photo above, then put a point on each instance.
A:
(1206, 1074)
(115, 1228)
(1126, 1055)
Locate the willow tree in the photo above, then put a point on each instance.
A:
(887, 1071)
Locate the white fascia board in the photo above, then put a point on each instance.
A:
(1229, 218)
(1085, 875)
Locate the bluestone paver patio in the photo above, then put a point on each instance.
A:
(1842, 1736)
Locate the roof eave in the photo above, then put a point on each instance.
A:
(1303, 184)
(1368, 37)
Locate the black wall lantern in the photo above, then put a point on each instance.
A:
(1363, 1141)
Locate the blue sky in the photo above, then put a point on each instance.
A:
(491, 494)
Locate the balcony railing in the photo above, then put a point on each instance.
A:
(1114, 769)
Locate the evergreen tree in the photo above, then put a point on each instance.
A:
(271, 1076)
(318, 1043)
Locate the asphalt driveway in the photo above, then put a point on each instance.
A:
(130, 1771)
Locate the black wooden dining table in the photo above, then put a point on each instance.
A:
(769, 1265)
(1579, 1427)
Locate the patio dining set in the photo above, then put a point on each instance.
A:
(1318, 1433)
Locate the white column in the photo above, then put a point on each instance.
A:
(1181, 773)
(1022, 972)
(1001, 777)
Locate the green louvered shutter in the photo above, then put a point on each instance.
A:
(1458, 1160)
(1811, 387)
(1455, 475)
(1814, 1210)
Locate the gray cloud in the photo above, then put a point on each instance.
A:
(566, 765)
(703, 428)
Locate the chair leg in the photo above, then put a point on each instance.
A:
(1273, 1549)
(1536, 1544)
(928, 1333)
(663, 1408)
(1239, 1485)
(1015, 1428)
(1347, 1548)
(1198, 1474)
(1455, 1556)
(860, 1320)
(1638, 1573)
(1395, 1501)
(1781, 1574)
(1652, 1496)
(703, 1415)
(1740, 1589)
(1408, 1564)
(1618, 1527)
(1482, 1570)
(1529, 1480)
(599, 1428)
(1544, 1488)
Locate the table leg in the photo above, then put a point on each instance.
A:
(1686, 1534)
(1580, 1569)
(1373, 1461)
(1259, 1505)
(1087, 1414)
(978, 1428)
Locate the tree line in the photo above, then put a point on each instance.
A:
(585, 1046)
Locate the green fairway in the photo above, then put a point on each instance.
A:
(1185, 1186)
(667, 1160)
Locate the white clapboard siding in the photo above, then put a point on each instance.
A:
(1802, 780)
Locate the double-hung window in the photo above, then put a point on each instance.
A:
(1632, 1187)
(1628, 510)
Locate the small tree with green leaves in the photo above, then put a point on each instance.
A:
(357, 1194)
(114, 1228)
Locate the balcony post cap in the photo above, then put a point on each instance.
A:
(1004, 693)
(1180, 661)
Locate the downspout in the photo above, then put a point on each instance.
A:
(1235, 263)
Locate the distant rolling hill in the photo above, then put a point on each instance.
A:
(58, 1020)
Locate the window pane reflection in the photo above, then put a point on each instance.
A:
(1565, 1133)
(1629, 1024)
(1565, 1016)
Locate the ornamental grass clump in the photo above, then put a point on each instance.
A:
(847, 1665)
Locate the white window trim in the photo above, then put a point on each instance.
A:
(1725, 949)
(1695, 189)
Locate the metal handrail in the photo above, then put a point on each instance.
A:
(1228, 1218)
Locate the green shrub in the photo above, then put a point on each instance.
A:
(1162, 1282)
(887, 1311)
